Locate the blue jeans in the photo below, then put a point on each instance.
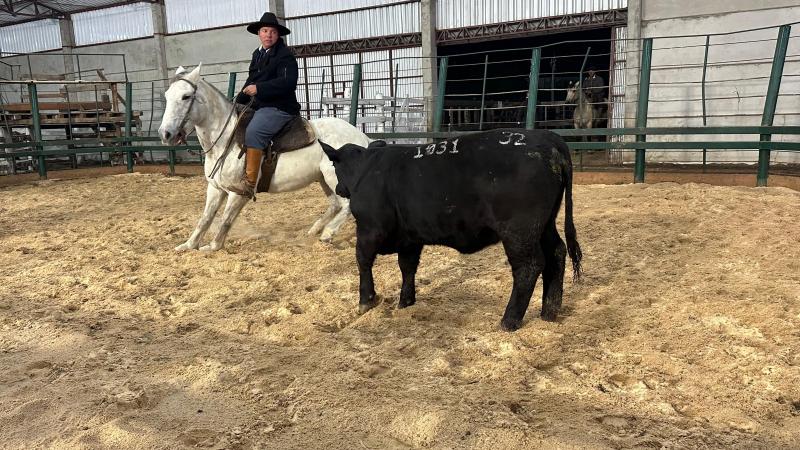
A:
(266, 123)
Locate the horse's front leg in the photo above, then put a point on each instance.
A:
(214, 198)
(232, 209)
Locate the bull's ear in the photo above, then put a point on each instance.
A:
(333, 155)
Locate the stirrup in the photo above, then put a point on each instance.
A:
(246, 191)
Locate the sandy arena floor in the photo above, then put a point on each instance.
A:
(685, 332)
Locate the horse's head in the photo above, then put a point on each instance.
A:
(572, 92)
(181, 112)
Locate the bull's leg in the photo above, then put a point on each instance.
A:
(232, 209)
(366, 250)
(555, 253)
(333, 208)
(408, 259)
(527, 262)
(214, 198)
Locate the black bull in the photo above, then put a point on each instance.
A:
(465, 193)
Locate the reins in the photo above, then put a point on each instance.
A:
(221, 160)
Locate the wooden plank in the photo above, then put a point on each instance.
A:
(116, 119)
(73, 88)
(113, 88)
(42, 77)
(57, 106)
(51, 95)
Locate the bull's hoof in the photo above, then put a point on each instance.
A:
(549, 315)
(510, 324)
(364, 307)
(405, 304)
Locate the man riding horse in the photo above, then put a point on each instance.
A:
(269, 90)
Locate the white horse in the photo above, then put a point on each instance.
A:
(191, 101)
(585, 113)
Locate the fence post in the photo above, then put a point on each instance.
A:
(354, 93)
(703, 95)
(37, 129)
(641, 110)
(533, 89)
(129, 123)
(171, 158)
(771, 102)
(483, 90)
(231, 85)
(437, 116)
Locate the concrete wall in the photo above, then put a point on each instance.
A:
(737, 75)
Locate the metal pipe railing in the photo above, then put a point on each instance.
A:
(772, 99)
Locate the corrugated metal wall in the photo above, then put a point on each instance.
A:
(305, 7)
(113, 24)
(465, 13)
(385, 21)
(30, 37)
(188, 15)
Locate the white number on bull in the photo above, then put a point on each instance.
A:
(437, 149)
(517, 138)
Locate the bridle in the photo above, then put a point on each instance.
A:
(221, 161)
(191, 104)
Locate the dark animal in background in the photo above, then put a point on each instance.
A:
(466, 193)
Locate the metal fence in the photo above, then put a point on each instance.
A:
(698, 99)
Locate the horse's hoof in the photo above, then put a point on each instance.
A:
(314, 230)
(209, 248)
(326, 238)
(183, 248)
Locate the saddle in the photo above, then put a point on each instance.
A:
(296, 134)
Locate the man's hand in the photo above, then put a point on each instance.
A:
(250, 90)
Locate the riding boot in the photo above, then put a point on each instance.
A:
(251, 169)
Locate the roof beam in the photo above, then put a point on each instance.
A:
(49, 6)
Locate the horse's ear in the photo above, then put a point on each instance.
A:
(331, 152)
(194, 75)
(181, 70)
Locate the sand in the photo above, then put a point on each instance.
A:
(684, 332)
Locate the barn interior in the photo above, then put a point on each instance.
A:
(505, 63)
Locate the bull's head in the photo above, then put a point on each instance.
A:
(347, 163)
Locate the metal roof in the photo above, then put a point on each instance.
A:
(18, 11)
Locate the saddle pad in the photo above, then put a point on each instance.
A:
(296, 134)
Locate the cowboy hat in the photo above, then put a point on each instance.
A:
(268, 20)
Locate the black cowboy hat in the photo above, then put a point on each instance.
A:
(268, 20)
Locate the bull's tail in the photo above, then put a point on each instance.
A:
(573, 248)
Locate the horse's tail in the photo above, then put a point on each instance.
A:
(573, 248)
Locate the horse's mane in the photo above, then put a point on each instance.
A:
(215, 89)
(245, 113)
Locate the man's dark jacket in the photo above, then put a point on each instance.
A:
(275, 77)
